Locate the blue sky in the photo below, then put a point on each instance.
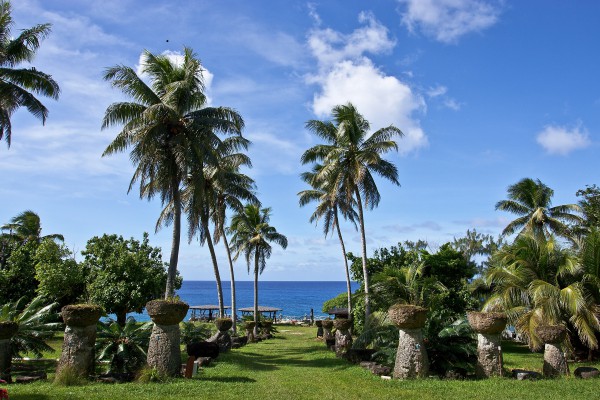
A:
(486, 92)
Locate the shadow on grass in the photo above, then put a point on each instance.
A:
(229, 379)
(31, 396)
(288, 358)
(515, 348)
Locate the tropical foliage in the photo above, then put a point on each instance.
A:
(350, 158)
(18, 86)
(123, 347)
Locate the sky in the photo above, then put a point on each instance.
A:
(486, 93)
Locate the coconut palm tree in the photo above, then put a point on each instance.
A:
(27, 227)
(329, 204)
(18, 86)
(350, 158)
(164, 125)
(535, 281)
(252, 236)
(531, 200)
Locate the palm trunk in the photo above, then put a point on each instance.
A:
(363, 241)
(233, 305)
(172, 271)
(256, 293)
(348, 286)
(213, 256)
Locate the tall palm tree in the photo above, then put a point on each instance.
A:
(164, 125)
(531, 200)
(252, 237)
(18, 86)
(202, 189)
(350, 157)
(534, 281)
(329, 203)
(27, 226)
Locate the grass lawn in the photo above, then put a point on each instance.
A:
(294, 365)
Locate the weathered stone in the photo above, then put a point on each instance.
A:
(204, 361)
(81, 314)
(163, 352)
(586, 372)
(327, 334)
(343, 342)
(267, 327)
(78, 349)
(555, 363)
(356, 356)
(5, 360)
(411, 358)
(31, 378)
(522, 374)
(407, 316)
(8, 329)
(342, 324)
(487, 322)
(164, 312)
(489, 356)
(202, 349)
(223, 324)
(375, 368)
(551, 333)
(222, 339)
(250, 331)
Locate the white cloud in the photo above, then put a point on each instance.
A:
(437, 91)
(346, 75)
(562, 140)
(447, 20)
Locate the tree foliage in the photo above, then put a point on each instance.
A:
(123, 274)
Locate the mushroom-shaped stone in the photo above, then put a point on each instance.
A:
(327, 324)
(342, 324)
(487, 322)
(223, 324)
(167, 312)
(551, 333)
(7, 331)
(343, 338)
(81, 314)
(250, 330)
(267, 326)
(407, 316)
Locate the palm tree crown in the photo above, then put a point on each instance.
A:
(18, 85)
(168, 127)
(532, 201)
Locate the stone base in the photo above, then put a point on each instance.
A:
(164, 353)
(222, 339)
(411, 358)
(555, 363)
(78, 349)
(5, 360)
(489, 358)
(343, 342)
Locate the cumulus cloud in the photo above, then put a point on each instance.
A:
(447, 20)
(426, 225)
(562, 140)
(346, 75)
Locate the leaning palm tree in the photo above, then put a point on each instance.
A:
(531, 200)
(18, 86)
(252, 237)
(350, 157)
(329, 204)
(164, 125)
(27, 226)
(535, 281)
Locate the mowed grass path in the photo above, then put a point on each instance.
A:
(294, 365)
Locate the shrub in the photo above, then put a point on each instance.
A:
(123, 347)
(69, 376)
(192, 332)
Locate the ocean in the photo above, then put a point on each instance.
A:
(296, 299)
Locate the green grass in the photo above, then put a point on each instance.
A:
(295, 365)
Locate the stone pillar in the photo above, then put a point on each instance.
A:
(343, 338)
(7, 331)
(164, 351)
(411, 357)
(266, 328)
(250, 331)
(489, 326)
(319, 325)
(80, 338)
(327, 335)
(222, 337)
(555, 363)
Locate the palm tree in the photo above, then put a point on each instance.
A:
(350, 158)
(535, 281)
(164, 126)
(328, 207)
(18, 85)
(27, 227)
(252, 237)
(531, 200)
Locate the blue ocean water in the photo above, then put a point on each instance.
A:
(294, 298)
